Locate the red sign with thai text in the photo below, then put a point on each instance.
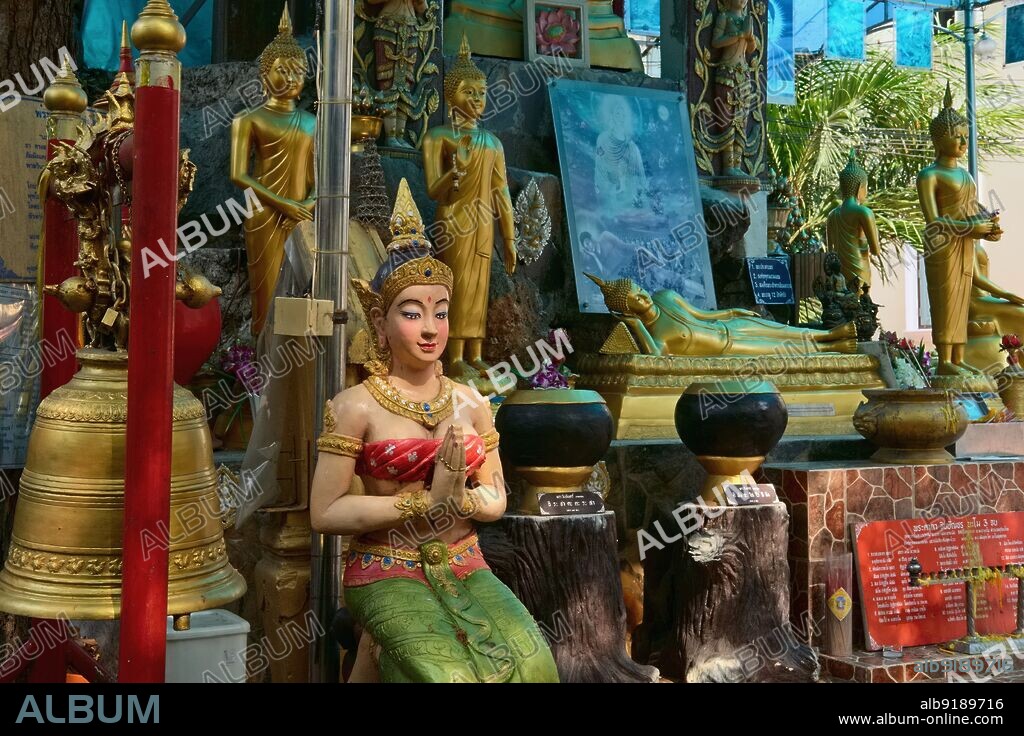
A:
(897, 613)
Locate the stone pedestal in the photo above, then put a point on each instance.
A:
(565, 570)
(825, 498)
(716, 600)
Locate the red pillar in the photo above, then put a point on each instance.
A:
(66, 101)
(158, 36)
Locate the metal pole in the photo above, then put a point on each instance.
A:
(972, 94)
(330, 279)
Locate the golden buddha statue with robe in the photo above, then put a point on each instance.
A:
(279, 139)
(949, 201)
(464, 167)
(994, 312)
(851, 231)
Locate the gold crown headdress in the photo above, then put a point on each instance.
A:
(616, 293)
(409, 255)
(462, 70)
(948, 118)
(852, 177)
(284, 46)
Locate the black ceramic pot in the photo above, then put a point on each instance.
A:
(553, 438)
(730, 426)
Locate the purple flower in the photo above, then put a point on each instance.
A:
(239, 361)
(549, 377)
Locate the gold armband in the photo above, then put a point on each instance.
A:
(490, 439)
(413, 504)
(339, 444)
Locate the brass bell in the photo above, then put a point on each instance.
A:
(65, 553)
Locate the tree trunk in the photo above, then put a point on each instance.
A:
(30, 31)
(565, 570)
(716, 603)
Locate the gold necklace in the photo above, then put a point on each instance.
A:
(428, 413)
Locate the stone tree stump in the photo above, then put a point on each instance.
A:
(565, 570)
(716, 600)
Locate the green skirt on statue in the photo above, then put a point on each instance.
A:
(471, 629)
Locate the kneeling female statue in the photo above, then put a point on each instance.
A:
(415, 579)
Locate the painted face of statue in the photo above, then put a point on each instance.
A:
(737, 6)
(286, 79)
(639, 301)
(470, 98)
(953, 144)
(416, 325)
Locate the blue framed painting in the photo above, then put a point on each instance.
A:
(846, 29)
(781, 58)
(643, 17)
(913, 37)
(631, 193)
(810, 25)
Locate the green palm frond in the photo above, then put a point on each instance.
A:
(883, 111)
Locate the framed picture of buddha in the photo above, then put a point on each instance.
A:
(632, 200)
(557, 32)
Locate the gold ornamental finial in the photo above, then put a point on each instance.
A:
(462, 70)
(284, 46)
(157, 29)
(948, 119)
(406, 222)
(124, 34)
(65, 94)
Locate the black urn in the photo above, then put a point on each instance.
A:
(730, 426)
(552, 439)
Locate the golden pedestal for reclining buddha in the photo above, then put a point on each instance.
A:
(821, 391)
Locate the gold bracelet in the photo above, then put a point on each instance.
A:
(413, 504)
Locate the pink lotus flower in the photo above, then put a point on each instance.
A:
(558, 32)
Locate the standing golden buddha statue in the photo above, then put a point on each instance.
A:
(279, 139)
(851, 231)
(464, 167)
(949, 201)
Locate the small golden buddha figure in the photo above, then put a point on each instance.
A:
(415, 578)
(949, 201)
(994, 312)
(851, 231)
(278, 138)
(464, 166)
(666, 324)
(735, 40)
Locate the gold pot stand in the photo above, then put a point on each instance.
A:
(721, 470)
(540, 480)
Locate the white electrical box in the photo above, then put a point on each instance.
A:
(211, 650)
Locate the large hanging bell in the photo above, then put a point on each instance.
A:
(65, 553)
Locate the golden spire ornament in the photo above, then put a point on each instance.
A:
(157, 28)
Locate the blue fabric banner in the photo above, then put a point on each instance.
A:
(846, 30)
(810, 26)
(913, 37)
(781, 59)
(101, 31)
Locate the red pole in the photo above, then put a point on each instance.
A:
(66, 101)
(158, 36)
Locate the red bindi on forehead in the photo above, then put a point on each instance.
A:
(430, 299)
